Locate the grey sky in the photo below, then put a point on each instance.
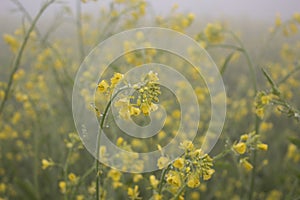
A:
(255, 9)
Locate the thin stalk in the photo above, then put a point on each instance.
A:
(257, 120)
(163, 174)
(289, 75)
(222, 154)
(79, 31)
(81, 180)
(66, 168)
(17, 60)
(249, 60)
(179, 192)
(97, 165)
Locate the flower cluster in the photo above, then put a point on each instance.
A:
(274, 96)
(143, 100)
(189, 169)
(246, 144)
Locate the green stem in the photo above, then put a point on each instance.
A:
(17, 60)
(249, 60)
(65, 170)
(179, 192)
(162, 178)
(79, 31)
(257, 120)
(97, 165)
(289, 75)
(222, 154)
(81, 180)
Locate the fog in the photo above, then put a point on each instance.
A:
(264, 10)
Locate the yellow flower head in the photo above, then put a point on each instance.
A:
(134, 111)
(240, 147)
(244, 137)
(133, 193)
(103, 86)
(187, 145)
(262, 146)
(265, 99)
(193, 181)
(260, 112)
(162, 162)
(296, 17)
(46, 164)
(116, 78)
(72, 177)
(179, 163)
(115, 175)
(278, 20)
(153, 181)
(214, 34)
(145, 109)
(208, 174)
(246, 164)
(173, 178)
(62, 186)
(12, 42)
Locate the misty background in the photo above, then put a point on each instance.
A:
(250, 18)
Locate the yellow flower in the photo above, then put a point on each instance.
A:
(2, 188)
(103, 86)
(187, 145)
(173, 178)
(116, 78)
(293, 27)
(12, 42)
(153, 181)
(260, 112)
(117, 184)
(46, 164)
(193, 181)
(123, 103)
(208, 174)
(162, 162)
(133, 193)
(265, 99)
(195, 195)
(134, 111)
(179, 163)
(264, 126)
(278, 20)
(214, 34)
(72, 177)
(274, 195)
(191, 16)
(92, 188)
(80, 197)
(145, 109)
(157, 197)
(115, 175)
(262, 146)
(62, 186)
(240, 147)
(137, 178)
(247, 165)
(244, 137)
(296, 17)
(120, 141)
